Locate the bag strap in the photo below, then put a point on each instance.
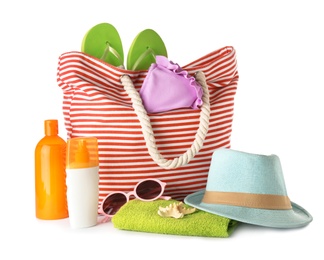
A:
(148, 133)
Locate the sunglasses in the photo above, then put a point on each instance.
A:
(145, 190)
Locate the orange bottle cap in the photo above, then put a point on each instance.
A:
(82, 152)
(51, 127)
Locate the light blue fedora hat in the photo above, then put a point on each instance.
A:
(249, 188)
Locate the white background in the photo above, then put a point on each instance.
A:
(278, 109)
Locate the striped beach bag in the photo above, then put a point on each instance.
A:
(176, 146)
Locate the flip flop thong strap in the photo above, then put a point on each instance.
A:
(108, 50)
(148, 133)
(142, 56)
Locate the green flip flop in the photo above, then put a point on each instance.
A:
(146, 45)
(103, 42)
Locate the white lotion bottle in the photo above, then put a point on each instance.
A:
(82, 181)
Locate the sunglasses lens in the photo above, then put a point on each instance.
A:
(148, 190)
(113, 203)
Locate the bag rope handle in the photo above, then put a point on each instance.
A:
(148, 131)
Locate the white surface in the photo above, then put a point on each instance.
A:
(82, 196)
(278, 109)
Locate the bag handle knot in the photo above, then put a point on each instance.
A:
(148, 133)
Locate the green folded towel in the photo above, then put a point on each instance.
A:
(137, 215)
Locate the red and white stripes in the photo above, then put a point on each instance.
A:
(96, 104)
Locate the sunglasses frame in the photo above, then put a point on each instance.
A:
(133, 193)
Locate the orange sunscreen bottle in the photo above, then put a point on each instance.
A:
(50, 186)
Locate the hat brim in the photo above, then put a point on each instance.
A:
(293, 218)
